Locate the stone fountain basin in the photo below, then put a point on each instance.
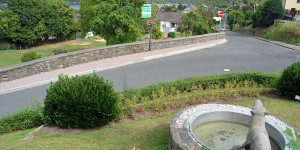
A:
(183, 124)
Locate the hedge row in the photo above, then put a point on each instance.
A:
(171, 88)
(33, 117)
(24, 119)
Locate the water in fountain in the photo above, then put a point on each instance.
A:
(223, 135)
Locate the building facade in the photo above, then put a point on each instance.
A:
(169, 21)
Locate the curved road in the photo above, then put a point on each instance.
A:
(240, 54)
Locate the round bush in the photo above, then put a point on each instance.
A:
(29, 56)
(289, 83)
(171, 35)
(81, 102)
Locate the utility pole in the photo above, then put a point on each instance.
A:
(150, 38)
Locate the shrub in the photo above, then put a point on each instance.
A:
(156, 33)
(29, 56)
(204, 83)
(289, 83)
(236, 27)
(286, 32)
(24, 119)
(4, 45)
(171, 35)
(81, 102)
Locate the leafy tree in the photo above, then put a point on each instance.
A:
(40, 30)
(207, 13)
(30, 13)
(235, 16)
(268, 11)
(59, 19)
(9, 26)
(200, 28)
(26, 21)
(116, 21)
(193, 24)
(275, 11)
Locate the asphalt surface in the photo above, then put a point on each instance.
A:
(240, 54)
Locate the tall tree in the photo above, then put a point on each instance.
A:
(193, 24)
(115, 20)
(9, 26)
(32, 20)
(59, 19)
(30, 13)
(275, 11)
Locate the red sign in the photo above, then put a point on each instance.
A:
(221, 14)
(151, 21)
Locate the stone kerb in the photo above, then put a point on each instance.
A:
(85, 56)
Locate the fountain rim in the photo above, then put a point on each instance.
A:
(198, 110)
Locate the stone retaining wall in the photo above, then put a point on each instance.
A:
(80, 57)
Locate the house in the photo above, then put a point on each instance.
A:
(189, 8)
(292, 7)
(169, 21)
(288, 4)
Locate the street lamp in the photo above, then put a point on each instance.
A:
(226, 16)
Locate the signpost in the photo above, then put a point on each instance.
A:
(221, 15)
(146, 13)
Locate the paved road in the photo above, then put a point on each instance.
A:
(240, 54)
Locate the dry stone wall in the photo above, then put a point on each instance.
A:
(80, 57)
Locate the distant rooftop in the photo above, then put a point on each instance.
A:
(172, 17)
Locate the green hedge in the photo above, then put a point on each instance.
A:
(171, 88)
(289, 83)
(171, 35)
(24, 119)
(81, 102)
(29, 56)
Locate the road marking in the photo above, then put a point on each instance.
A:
(116, 66)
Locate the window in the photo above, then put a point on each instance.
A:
(298, 1)
(173, 25)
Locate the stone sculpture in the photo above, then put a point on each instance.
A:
(257, 137)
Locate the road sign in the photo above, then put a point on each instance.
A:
(151, 21)
(146, 12)
(221, 14)
(147, 5)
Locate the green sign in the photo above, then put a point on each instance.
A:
(146, 12)
(147, 5)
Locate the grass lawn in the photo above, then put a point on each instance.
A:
(179, 35)
(146, 133)
(13, 57)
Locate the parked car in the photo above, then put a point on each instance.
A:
(222, 29)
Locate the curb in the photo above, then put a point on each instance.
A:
(289, 46)
(147, 58)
